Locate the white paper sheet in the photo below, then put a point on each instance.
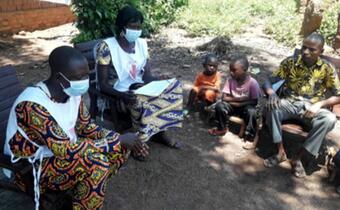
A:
(154, 88)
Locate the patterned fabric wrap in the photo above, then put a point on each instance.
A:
(151, 115)
(83, 166)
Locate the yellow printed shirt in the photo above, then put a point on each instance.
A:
(307, 84)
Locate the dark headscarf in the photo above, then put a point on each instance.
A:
(127, 14)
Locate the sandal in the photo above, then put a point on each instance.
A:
(216, 132)
(138, 157)
(274, 160)
(172, 143)
(164, 139)
(298, 169)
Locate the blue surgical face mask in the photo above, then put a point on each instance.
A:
(77, 88)
(132, 35)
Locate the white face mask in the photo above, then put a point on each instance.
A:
(77, 88)
(132, 35)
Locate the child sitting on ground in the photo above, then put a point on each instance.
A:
(239, 97)
(207, 84)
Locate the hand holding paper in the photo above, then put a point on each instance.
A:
(154, 88)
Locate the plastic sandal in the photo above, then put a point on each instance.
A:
(298, 169)
(216, 132)
(274, 160)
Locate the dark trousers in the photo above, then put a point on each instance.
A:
(248, 113)
(320, 125)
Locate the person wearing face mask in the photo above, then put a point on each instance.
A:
(126, 56)
(50, 126)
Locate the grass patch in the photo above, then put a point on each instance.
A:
(231, 17)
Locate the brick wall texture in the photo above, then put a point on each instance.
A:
(30, 15)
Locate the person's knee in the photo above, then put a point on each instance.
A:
(251, 111)
(219, 106)
(195, 89)
(328, 120)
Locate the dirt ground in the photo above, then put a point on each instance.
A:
(209, 172)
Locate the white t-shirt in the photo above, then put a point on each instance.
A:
(129, 66)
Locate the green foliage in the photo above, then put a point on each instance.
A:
(159, 12)
(284, 25)
(229, 17)
(214, 17)
(280, 18)
(262, 10)
(329, 23)
(96, 18)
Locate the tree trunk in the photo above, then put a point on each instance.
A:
(302, 4)
(336, 42)
(312, 18)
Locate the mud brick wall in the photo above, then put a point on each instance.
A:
(30, 15)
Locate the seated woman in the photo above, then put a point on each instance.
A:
(126, 55)
(50, 126)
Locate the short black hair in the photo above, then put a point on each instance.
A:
(208, 57)
(60, 58)
(316, 37)
(127, 14)
(241, 59)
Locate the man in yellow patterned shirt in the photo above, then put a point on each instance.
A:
(307, 78)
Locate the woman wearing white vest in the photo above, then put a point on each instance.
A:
(50, 126)
(126, 56)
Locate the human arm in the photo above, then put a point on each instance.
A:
(104, 66)
(312, 110)
(244, 103)
(87, 129)
(281, 74)
(333, 85)
(147, 75)
(238, 101)
(42, 129)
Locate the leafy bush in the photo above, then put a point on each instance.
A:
(159, 12)
(95, 19)
(329, 23)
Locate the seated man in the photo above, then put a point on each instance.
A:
(307, 78)
(50, 127)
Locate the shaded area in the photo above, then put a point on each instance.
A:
(210, 172)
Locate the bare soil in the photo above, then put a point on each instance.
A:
(209, 172)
